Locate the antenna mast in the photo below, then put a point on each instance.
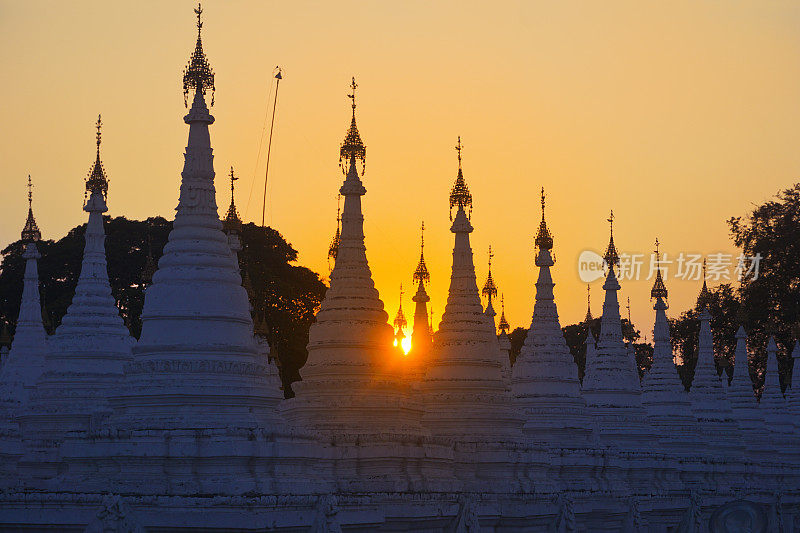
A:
(278, 77)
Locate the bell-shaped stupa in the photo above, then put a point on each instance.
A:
(464, 391)
(544, 378)
(709, 403)
(354, 390)
(25, 361)
(84, 364)
(664, 397)
(611, 385)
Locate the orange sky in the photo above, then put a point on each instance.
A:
(677, 115)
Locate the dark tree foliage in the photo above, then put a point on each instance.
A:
(285, 297)
(517, 338)
(767, 305)
(127, 246)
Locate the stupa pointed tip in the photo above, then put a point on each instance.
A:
(796, 350)
(741, 333)
(771, 346)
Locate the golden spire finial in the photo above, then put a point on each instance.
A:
(628, 306)
(198, 74)
(489, 288)
(611, 257)
(588, 318)
(97, 180)
(99, 134)
(503, 325)
(352, 148)
(421, 274)
(352, 95)
(199, 12)
(659, 290)
(460, 196)
(544, 239)
(30, 232)
(400, 321)
(232, 221)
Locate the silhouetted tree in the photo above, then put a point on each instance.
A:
(285, 297)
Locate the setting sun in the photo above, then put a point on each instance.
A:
(405, 344)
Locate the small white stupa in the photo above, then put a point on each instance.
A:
(354, 390)
(87, 352)
(464, 392)
(611, 386)
(775, 408)
(745, 408)
(709, 403)
(26, 359)
(421, 335)
(664, 397)
(544, 378)
(503, 340)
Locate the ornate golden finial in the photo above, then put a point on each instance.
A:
(199, 12)
(503, 324)
(588, 318)
(333, 249)
(460, 196)
(198, 74)
(659, 290)
(421, 274)
(400, 321)
(544, 239)
(611, 257)
(30, 232)
(232, 221)
(489, 288)
(352, 148)
(97, 180)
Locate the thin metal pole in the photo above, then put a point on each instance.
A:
(269, 147)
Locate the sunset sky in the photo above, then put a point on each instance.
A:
(676, 115)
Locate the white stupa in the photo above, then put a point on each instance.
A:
(793, 391)
(664, 397)
(744, 405)
(87, 352)
(544, 378)
(26, 359)
(775, 408)
(354, 391)
(421, 335)
(611, 386)
(503, 339)
(464, 392)
(709, 403)
(198, 400)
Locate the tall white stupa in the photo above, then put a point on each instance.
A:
(83, 367)
(26, 359)
(664, 397)
(464, 391)
(709, 403)
(198, 400)
(611, 385)
(544, 378)
(354, 390)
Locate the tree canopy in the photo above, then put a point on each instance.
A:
(284, 297)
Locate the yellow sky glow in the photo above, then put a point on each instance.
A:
(677, 115)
